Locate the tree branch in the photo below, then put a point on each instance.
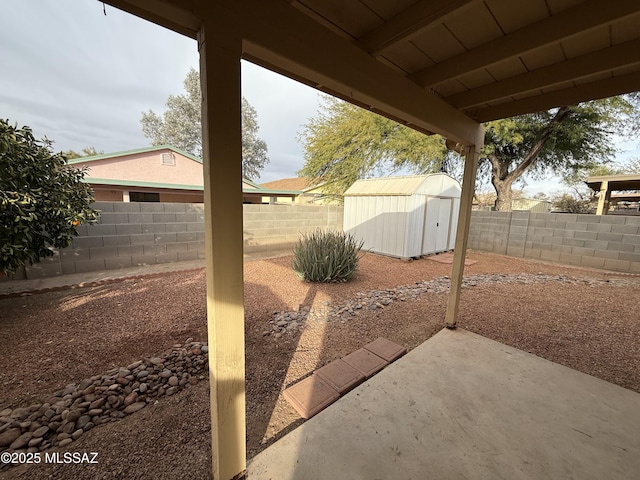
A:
(561, 115)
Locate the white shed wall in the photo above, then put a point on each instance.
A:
(414, 229)
(393, 218)
(381, 221)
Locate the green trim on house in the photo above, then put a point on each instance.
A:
(134, 183)
(252, 183)
(174, 186)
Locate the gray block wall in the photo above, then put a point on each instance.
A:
(278, 227)
(600, 241)
(132, 234)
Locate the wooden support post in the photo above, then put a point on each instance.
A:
(220, 56)
(462, 233)
(604, 198)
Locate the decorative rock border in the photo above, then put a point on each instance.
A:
(289, 322)
(72, 411)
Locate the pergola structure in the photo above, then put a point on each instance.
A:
(438, 66)
(605, 184)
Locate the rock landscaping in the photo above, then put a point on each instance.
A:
(119, 392)
(590, 326)
(288, 322)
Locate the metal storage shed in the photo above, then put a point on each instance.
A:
(404, 216)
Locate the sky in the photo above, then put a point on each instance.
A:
(83, 78)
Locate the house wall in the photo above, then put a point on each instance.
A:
(101, 195)
(181, 197)
(131, 234)
(600, 241)
(146, 167)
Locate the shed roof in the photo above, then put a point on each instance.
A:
(405, 185)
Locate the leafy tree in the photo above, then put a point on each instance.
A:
(572, 203)
(562, 141)
(85, 152)
(541, 196)
(254, 149)
(42, 199)
(344, 143)
(180, 126)
(632, 166)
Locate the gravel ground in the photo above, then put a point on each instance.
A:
(584, 319)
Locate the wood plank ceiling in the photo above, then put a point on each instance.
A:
(497, 58)
(487, 59)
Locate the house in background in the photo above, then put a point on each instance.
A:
(485, 201)
(308, 192)
(157, 174)
(531, 205)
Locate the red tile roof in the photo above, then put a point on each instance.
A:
(295, 183)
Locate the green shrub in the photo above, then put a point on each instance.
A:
(326, 256)
(42, 199)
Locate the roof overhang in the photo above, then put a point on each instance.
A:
(625, 197)
(615, 182)
(439, 66)
(280, 37)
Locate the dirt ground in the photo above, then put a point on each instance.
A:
(52, 339)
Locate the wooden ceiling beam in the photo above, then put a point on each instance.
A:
(410, 22)
(282, 38)
(607, 59)
(609, 87)
(576, 20)
(278, 36)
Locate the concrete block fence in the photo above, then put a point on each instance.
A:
(611, 242)
(141, 233)
(131, 234)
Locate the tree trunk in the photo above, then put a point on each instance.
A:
(502, 179)
(504, 196)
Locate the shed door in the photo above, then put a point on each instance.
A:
(436, 226)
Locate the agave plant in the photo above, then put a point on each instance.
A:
(326, 256)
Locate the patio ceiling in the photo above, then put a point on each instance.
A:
(486, 59)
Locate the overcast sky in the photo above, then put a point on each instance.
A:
(83, 79)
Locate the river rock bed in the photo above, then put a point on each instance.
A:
(72, 411)
(289, 322)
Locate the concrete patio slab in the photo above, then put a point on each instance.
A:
(463, 406)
